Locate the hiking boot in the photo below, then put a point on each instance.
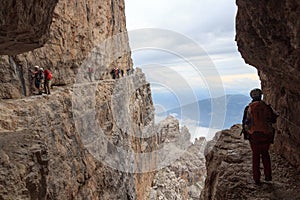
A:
(268, 178)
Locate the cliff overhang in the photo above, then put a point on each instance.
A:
(24, 25)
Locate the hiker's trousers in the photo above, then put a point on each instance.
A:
(263, 151)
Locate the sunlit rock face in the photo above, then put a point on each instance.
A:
(78, 28)
(96, 141)
(24, 25)
(268, 37)
(184, 177)
(88, 140)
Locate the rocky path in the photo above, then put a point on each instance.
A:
(230, 172)
(284, 186)
(286, 183)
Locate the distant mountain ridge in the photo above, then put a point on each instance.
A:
(228, 108)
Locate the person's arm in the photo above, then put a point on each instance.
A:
(244, 121)
(274, 114)
(245, 116)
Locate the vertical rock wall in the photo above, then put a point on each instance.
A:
(77, 28)
(43, 152)
(268, 38)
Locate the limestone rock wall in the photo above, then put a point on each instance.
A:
(60, 146)
(79, 28)
(87, 140)
(24, 25)
(267, 34)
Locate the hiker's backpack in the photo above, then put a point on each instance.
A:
(259, 118)
(48, 74)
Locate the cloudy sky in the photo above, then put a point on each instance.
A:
(190, 44)
(188, 52)
(211, 24)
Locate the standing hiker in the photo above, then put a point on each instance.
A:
(257, 127)
(90, 72)
(115, 73)
(38, 78)
(47, 81)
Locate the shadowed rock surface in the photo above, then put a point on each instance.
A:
(229, 171)
(268, 37)
(267, 34)
(24, 25)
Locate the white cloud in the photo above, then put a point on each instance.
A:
(240, 83)
(198, 131)
(208, 24)
(168, 62)
(195, 130)
(187, 16)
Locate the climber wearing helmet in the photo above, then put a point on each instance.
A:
(38, 78)
(256, 94)
(257, 128)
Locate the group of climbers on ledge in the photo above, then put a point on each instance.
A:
(115, 73)
(42, 79)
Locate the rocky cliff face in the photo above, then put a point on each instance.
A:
(268, 38)
(184, 177)
(24, 25)
(48, 151)
(79, 144)
(87, 140)
(79, 28)
(43, 154)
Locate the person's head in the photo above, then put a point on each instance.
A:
(41, 69)
(36, 68)
(256, 94)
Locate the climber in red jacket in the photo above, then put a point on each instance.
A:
(47, 82)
